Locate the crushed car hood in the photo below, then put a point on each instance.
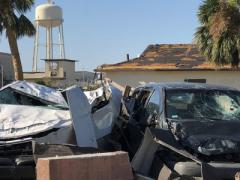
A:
(31, 111)
(28, 108)
(20, 121)
(208, 137)
(39, 91)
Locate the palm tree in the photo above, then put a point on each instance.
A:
(218, 37)
(15, 25)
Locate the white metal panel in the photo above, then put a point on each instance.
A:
(94, 94)
(105, 117)
(80, 110)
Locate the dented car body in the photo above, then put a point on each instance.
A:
(38, 121)
(182, 130)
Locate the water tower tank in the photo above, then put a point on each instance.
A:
(49, 15)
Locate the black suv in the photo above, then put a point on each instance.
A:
(186, 129)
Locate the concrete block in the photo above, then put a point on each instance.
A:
(100, 166)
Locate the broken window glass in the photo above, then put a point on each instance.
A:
(7, 96)
(142, 109)
(203, 104)
(11, 96)
(141, 99)
(153, 104)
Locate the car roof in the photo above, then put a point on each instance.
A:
(184, 85)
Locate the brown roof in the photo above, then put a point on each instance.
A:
(165, 57)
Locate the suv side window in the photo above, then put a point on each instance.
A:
(150, 115)
(153, 103)
(149, 108)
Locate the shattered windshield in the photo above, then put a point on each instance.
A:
(203, 104)
(11, 96)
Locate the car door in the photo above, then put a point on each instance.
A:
(139, 110)
(136, 125)
(150, 115)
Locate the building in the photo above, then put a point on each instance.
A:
(59, 73)
(170, 63)
(6, 68)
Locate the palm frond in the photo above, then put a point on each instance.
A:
(22, 6)
(15, 24)
(204, 41)
(207, 9)
(218, 37)
(24, 27)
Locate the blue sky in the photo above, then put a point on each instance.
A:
(98, 32)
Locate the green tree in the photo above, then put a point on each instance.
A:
(218, 37)
(15, 25)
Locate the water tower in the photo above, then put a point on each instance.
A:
(48, 16)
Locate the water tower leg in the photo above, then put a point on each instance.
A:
(46, 45)
(51, 43)
(48, 42)
(62, 47)
(59, 42)
(35, 49)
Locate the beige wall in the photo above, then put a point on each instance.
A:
(72, 77)
(33, 75)
(64, 66)
(67, 67)
(229, 78)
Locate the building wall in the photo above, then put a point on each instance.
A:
(62, 68)
(33, 75)
(229, 78)
(69, 69)
(64, 76)
(6, 63)
(75, 78)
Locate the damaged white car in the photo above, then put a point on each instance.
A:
(37, 121)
